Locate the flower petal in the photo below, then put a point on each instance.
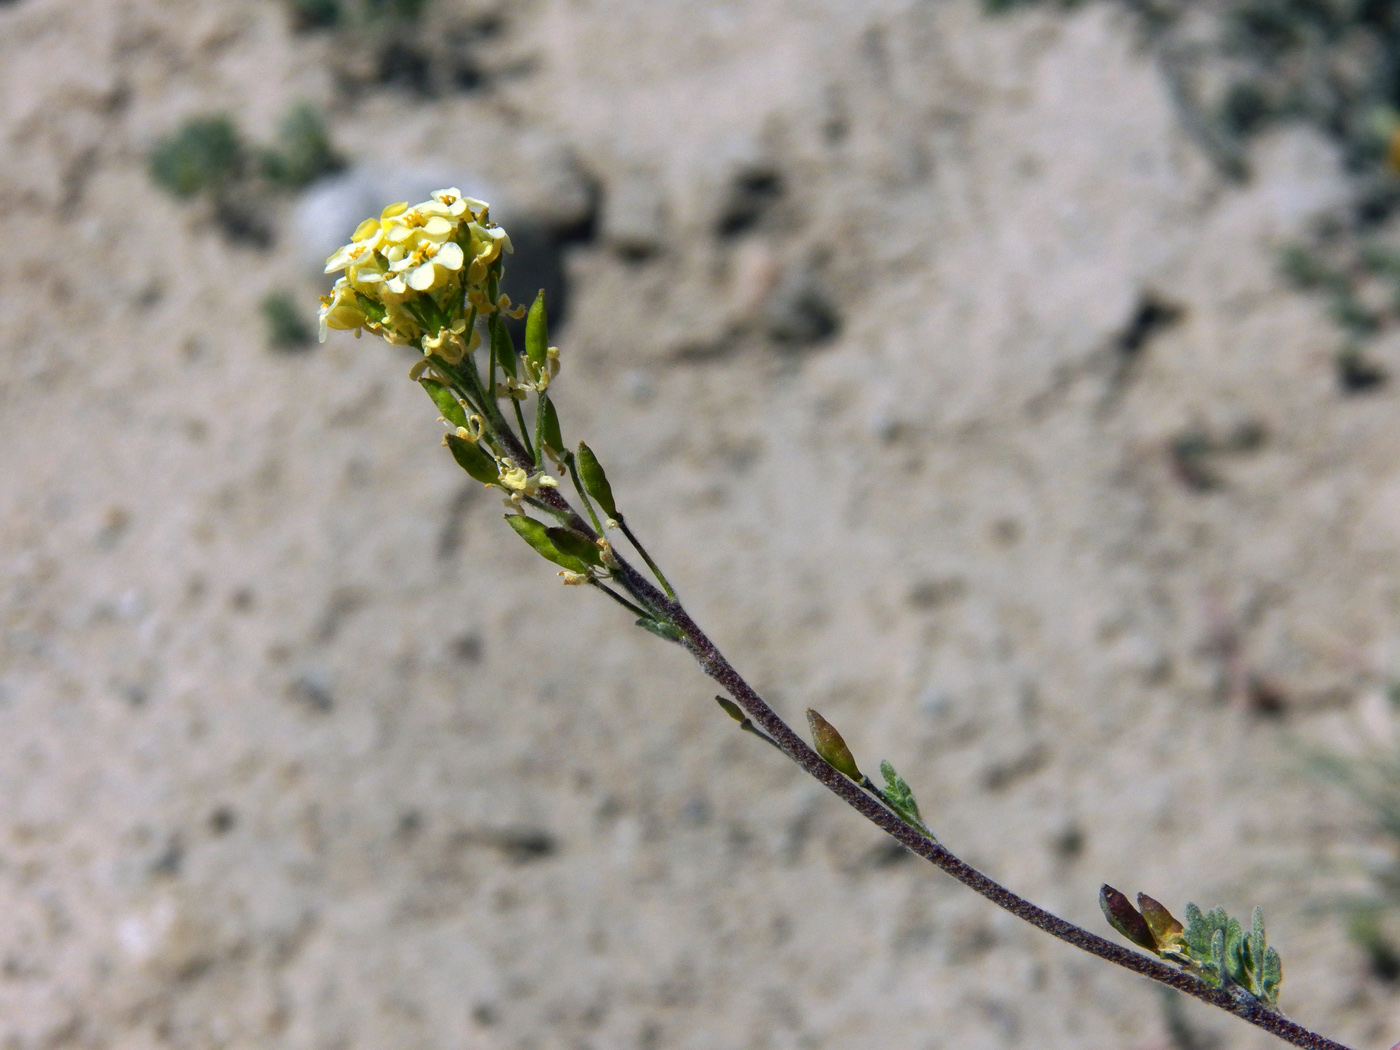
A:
(450, 256)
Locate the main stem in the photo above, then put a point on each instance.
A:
(714, 664)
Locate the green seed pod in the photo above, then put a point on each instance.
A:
(553, 437)
(595, 482)
(832, 747)
(537, 334)
(1166, 930)
(537, 536)
(575, 546)
(504, 347)
(1124, 918)
(446, 403)
(473, 459)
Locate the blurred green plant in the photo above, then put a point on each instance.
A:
(324, 14)
(1373, 780)
(314, 14)
(1342, 270)
(288, 331)
(204, 155)
(304, 152)
(1242, 66)
(207, 158)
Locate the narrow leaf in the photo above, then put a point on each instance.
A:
(571, 543)
(471, 458)
(1272, 977)
(661, 630)
(537, 536)
(446, 403)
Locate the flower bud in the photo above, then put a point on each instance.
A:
(832, 747)
(1166, 931)
(1124, 918)
(731, 709)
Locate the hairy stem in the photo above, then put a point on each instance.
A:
(655, 570)
(714, 664)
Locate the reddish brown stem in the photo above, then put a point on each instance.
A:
(714, 664)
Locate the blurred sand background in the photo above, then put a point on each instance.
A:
(886, 319)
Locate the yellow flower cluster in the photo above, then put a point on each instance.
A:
(411, 274)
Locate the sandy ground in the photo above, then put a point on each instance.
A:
(299, 747)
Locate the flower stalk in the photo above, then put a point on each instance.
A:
(429, 277)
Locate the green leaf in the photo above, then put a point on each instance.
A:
(1217, 954)
(595, 482)
(471, 458)
(553, 437)
(661, 630)
(304, 152)
(899, 798)
(537, 334)
(504, 347)
(1271, 977)
(446, 403)
(537, 536)
(1124, 918)
(832, 747)
(566, 541)
(206, 153)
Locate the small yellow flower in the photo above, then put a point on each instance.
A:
(448, 343)
(448, 202)
(341, 310)
(519, 482)
(427, 267)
